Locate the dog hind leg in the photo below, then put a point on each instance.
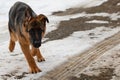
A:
(12, 42)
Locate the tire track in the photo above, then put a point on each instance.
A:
(80, 62)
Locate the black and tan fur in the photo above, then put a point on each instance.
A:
(28, 28)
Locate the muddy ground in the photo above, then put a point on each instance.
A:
(106, 74)
(67, 27)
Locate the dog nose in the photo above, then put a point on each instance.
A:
(37, 44)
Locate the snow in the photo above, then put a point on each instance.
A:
(97, 21)
(118, 4)
(55, 52)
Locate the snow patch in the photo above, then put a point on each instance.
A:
(97, 21)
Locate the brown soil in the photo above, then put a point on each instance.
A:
(106, 74)
(67, 27)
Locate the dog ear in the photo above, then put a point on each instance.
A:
(43, 17)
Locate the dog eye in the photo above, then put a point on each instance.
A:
(28, 29)
(43, 30)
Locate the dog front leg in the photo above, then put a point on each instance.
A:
(39, 56)
(36, 52)
(29, 58)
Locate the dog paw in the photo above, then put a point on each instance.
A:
(40, 59)
(34, 70)
(11, 48)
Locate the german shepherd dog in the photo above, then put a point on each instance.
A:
(28, 28)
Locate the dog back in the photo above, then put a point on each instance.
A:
(17, 16)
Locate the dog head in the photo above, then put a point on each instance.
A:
(35, 28)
